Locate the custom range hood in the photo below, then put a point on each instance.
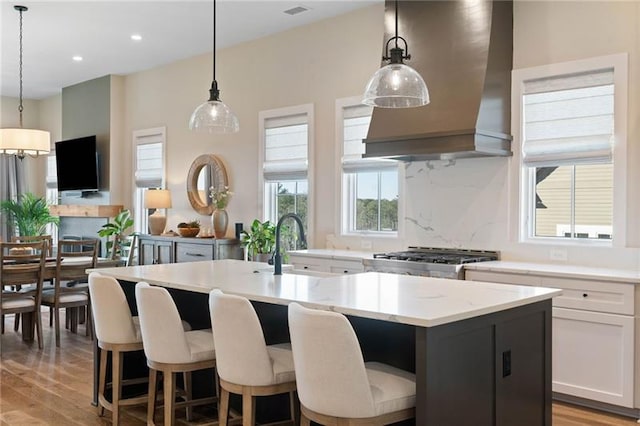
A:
(463, 49)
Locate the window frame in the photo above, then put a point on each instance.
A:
(263, 117)
(141, 222)
(345, 204)
(522, 192)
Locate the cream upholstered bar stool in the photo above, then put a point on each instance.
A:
(170, 349)
(246, 365)
(335, 385)
(117, 332)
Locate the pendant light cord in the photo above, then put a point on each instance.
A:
(214, 40)
(396, 24)
(20, 107)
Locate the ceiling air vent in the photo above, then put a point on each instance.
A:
(296, 10)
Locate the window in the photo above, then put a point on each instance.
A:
(149, 157)
(52, 193)
(572, 150)
(286, 136)
(370, 192)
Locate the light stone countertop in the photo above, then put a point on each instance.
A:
(558, 270)
(413, 300)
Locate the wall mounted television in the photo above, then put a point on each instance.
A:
(77, 164)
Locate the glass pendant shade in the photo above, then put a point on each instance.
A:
(22, 142)
(214, 117)
(396, 86)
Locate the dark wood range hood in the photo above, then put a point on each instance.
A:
(463, 49)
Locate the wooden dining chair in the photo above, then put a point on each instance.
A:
(74, 257)
(49, 253)
(23, 264)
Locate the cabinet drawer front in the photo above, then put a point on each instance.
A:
(589, 295)
(499, 277)
(189, 252)
(345, 266)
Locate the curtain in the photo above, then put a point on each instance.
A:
(12, 185)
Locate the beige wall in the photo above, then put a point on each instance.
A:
(312, 64)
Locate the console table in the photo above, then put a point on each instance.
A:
(159, 249)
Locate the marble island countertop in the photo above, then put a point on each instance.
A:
(555, 270)
(419, 301)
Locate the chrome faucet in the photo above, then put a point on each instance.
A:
(277, 259)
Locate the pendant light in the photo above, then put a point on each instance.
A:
(214, 116)
(19, 141)
(396, 85)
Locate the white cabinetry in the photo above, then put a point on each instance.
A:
(593, 334)
(326, 262)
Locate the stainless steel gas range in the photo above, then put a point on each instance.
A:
(428, 261)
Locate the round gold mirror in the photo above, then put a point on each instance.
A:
(206, 171)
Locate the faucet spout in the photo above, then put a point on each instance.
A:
(277, 258)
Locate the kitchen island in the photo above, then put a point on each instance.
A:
(481, 352)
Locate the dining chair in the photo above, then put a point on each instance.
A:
(246, 365)
(23, 264)
(49, 253)
(170, 349)
(335, 385)
(74, 257)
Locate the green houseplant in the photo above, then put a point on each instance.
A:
(29, 214)
(117, 229)
(260, 240)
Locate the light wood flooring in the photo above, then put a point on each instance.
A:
(54, 387)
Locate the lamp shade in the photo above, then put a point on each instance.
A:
(396, 86)
(157, 199)
(214, 117)
(23, 142)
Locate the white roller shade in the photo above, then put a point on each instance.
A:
(569, 119)
(52, 175)
(286, 148)
(356, 120)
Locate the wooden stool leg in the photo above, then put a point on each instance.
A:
(56, 313)
(304, 421)
(248, 407)
(102, 381)
(293, 408)
(116, 374)
(223, 411)
(151, 404)
(188, 390)
(38, 320)
(16, 323)
(169, 398)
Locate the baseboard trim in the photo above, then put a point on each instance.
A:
(615, 409)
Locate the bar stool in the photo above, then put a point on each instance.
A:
(246, 365)
(118, 332)
(335, 385)
(170, 349)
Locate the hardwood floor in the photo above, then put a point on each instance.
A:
(54, 387)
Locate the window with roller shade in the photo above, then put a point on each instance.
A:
(570, 133)
(51, 181)
(286, 136)
(149, 173)
(370, 192)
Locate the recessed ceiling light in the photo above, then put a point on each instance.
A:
(136, 37)
(77, 58)
(296, 10)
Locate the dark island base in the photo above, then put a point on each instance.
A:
(494, 369)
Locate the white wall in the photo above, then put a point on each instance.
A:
(464, 203)
(313, 64)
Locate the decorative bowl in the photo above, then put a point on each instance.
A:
(188, 232)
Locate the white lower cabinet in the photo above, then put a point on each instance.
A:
(593, 355)
(594, 327)
(326, 264)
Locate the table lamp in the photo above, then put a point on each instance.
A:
(157, 199)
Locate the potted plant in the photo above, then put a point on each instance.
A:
(116, 229)
(29, 214)
(260, 240)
